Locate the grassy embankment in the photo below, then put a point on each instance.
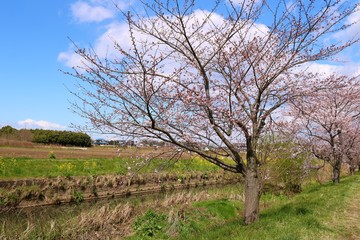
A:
(320, 212)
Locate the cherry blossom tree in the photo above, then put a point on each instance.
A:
(208, 81)
(328, 121)
(351, 142)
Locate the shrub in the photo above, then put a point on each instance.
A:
(283, 165)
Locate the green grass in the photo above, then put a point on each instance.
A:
(22, 167)
(306, 216)
(28, 167)
(179, 166)
(320, 212)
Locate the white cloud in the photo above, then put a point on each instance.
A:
(104, 45)
(97, 10)
(70, 58)
(119, 32)
(30, 123)
(84, 12)
(320, 68)
(354, 30)
(116, 32)
(327, 69)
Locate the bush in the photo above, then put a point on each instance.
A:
(284, 166)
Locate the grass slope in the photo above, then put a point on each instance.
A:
(321, 212)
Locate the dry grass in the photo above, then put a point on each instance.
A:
(183, 198)
(115, 222)
(15, 143)
(112, 221)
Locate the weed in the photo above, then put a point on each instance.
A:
(89, 166)
(66, 168)
(52, 155)
(149, 224)
(78, 197)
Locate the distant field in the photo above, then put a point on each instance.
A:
(20, 167)
(49, 161)
(27, 149)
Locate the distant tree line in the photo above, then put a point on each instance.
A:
(65, 138)
(61, 137)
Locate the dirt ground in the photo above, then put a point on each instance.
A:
(12, 149)
(60, 152)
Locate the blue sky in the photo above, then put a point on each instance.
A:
(34, 45)
(33, 34)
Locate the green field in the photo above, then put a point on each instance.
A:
(24, 167)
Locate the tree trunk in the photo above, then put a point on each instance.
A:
(252, 196)
(352, 169)
(252, 183)
(336, 172)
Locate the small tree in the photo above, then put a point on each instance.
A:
(196, 78)
(283, 163)
(327, 120)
